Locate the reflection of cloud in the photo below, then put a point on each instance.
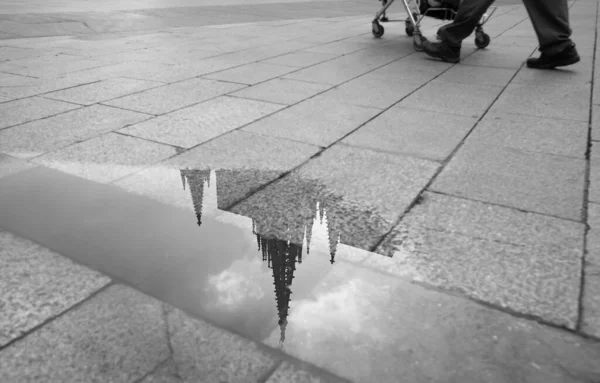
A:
(233, 287)
(337, 308)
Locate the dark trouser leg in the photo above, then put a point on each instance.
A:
(469, 14)
(550, 19)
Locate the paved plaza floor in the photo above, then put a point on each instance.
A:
(266, 193)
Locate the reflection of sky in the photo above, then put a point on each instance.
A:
(237, 283)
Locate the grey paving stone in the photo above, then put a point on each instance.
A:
(342, 69)
(534, 134)
(38, 137)
(525, 262)
(413, 132)
(372, 93)
(102, 91)
(453, 98)
(251, 73)
(321, 120)
(529, 42)
(569, 102)
(438, 337)
(160, 54)
(193, 125)
(175, 96)
(467, 74)
(52, 65)
(509, 57)
(301, 59)
(10, 165)
(288, 373)
(166, 373)
(282, 91)
(117, 336)
(106, 158)
(21, 87)
(44, 29)
(364, 192)
(339, 47)
(578, 74)
(30, 109)
(205, 353)
(530, 181)
(244, 161)
(594, 186)
(595, 119)
(17, 53)
(110, 71)
(590, 316)
(38, 284)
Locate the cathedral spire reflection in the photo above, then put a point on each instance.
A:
(281, 250)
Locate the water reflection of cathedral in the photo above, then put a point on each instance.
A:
(280, 248)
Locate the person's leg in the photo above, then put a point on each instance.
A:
(467, 17)
(550, 19)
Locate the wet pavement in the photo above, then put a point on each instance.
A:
(274, 196)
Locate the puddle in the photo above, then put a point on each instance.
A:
(240, 272)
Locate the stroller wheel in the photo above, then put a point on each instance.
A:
(482, 40)
(408, 28)
(377, 29)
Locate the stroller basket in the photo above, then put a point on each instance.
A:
(438, 9)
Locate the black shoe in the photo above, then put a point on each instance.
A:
(442, 51)
(567, 57)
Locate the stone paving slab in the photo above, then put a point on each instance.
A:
(171, 97)
(282, 91)
(321, 121)
(533, 182)
(118, 335)
(101, 91)
(534, 134)
(569, 102)
(413, 132)
(106, 158)
(524, 262)
(460, 99)
(30, 109)
(591, 287)
(191, 126)
(37, 285)
(35, 138)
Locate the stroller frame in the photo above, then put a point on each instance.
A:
(413, 22)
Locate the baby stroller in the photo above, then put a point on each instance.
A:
(437, 9)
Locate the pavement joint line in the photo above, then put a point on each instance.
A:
(265, 377)
(586, 190)
(43, 118)
(16, 74)
(254, 99)
(153, 370)
(525, 151)
(62, 313)
(504, 206)
(44, 93)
